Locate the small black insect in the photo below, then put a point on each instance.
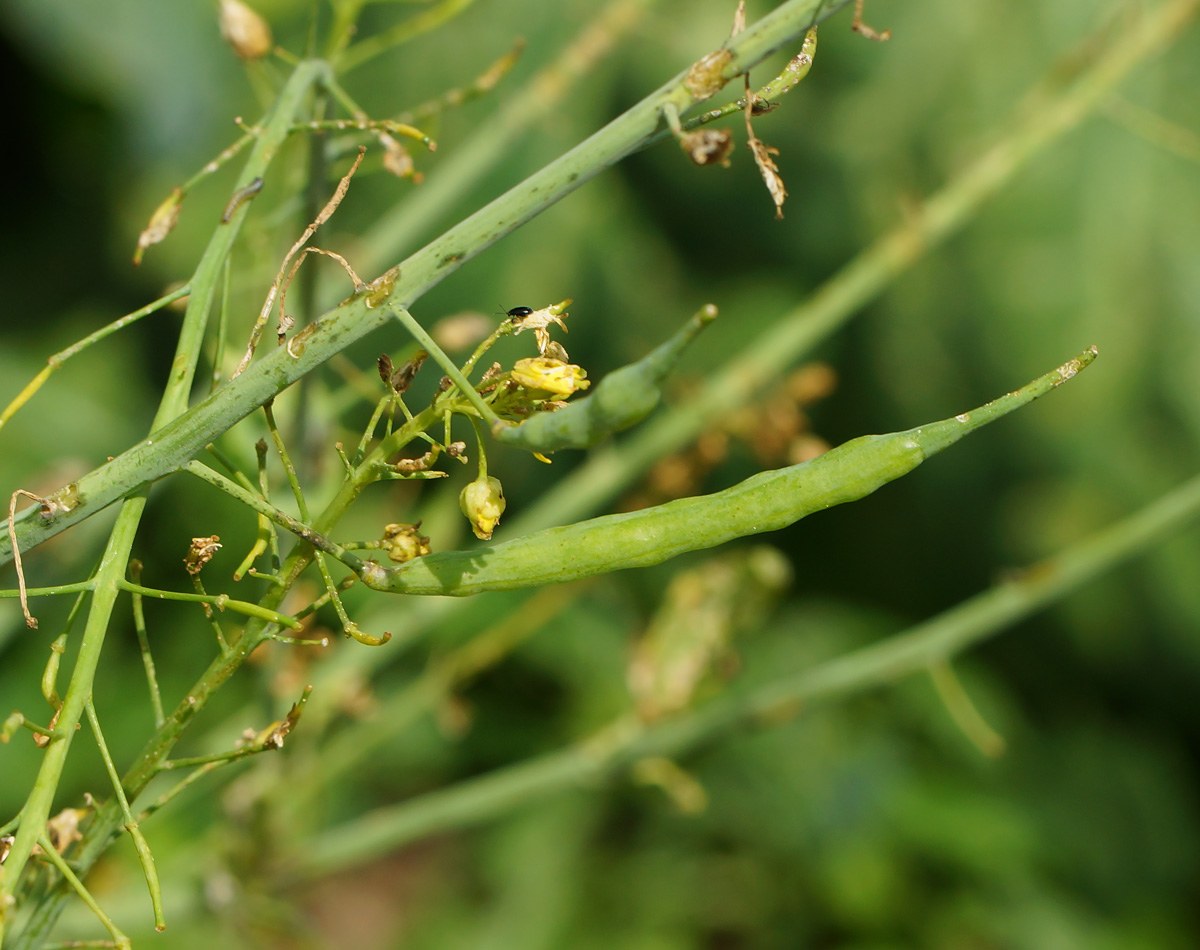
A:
(520, 311)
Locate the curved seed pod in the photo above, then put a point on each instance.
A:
(765, 502)
(624, 397)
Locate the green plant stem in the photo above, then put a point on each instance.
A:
(429, 345)
(176, 441)
(149, 761)
(410, 29)
(399, 711)
(76, 588)
(213, 622)
(793, 74)
(139, 626)
(398, 230)
(56, 361)
(270, 375)
(767, 501)
(949, 633)
(110, 573)
(185, 783)
(220, 601)
(611, 470)
(118, 938)
(140, 845)
(281, 518)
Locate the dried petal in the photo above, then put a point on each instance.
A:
(395, 157)
(739, 19)
(161, 223)
(706, 146)
(770, 172)
(245, 31)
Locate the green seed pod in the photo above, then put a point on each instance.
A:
(765, 502)
(623, 398)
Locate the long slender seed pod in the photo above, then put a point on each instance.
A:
(765, 502)
(622, 399)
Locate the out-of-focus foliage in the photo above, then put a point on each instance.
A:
(871, 824)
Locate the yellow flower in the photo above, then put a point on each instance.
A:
(541, 372)
(482, 501)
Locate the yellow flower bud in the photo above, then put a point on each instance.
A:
(244, 30)
(482, 501)
(541, 372)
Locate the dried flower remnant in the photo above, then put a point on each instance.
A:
(161, 223)
(398, 380)
(858, 26)
(397, 160)
(538, 321)
(707, 146)
(403, 542)
(272, 737)
(247, 33)
(770, 172)
(63, 828)
(200, 553)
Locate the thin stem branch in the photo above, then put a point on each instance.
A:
(140, 845)
(119, 939)
(139, 625)
(56, 361)
(267, 510)
(220, 601)
(366, 50)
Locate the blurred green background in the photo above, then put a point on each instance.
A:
(870, 824)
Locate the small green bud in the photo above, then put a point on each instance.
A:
(482, 501)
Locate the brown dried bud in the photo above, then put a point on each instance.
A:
(201, 552)
(385, 367)
(403, 377)
(245, 31)
(707, 146)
